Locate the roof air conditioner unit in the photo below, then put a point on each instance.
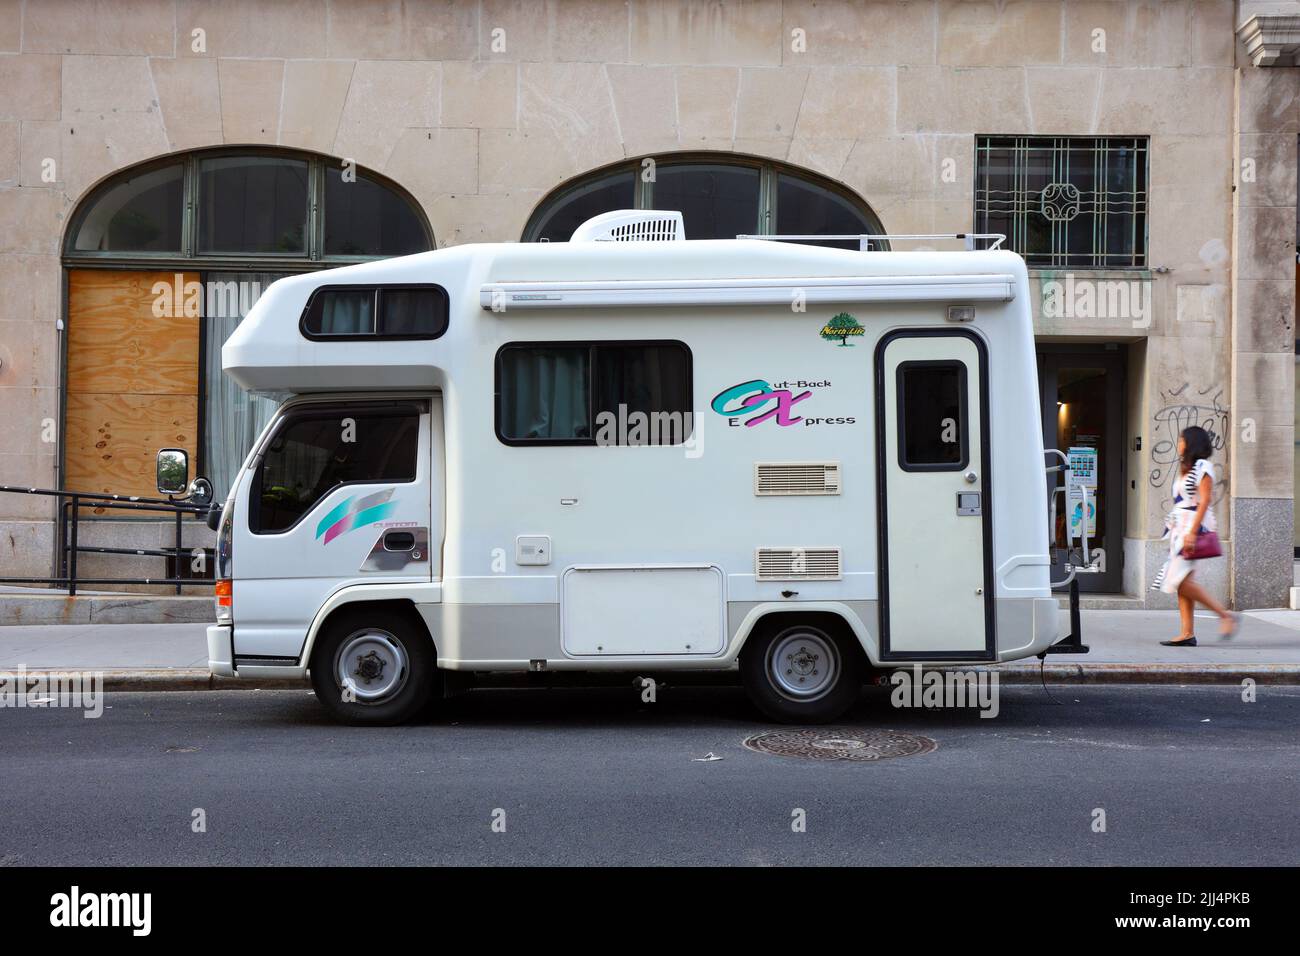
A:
(632, 225)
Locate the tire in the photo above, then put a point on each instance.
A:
(374, 667)
(802, 671)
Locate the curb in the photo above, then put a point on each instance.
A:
(33, 610)
(1116, 673)
(196, 679)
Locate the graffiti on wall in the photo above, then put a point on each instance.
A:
(1181, 408)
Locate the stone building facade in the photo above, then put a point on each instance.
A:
(482, 113)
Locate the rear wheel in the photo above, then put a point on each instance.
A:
(374, 666)
(802, 671)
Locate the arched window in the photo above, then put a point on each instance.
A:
(306, 209)
(719, 198)
(164, 260)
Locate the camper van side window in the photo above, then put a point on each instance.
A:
(316, 452)
(593, 393)
(365, 312)
(932, 416)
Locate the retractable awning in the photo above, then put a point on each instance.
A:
(513, 296)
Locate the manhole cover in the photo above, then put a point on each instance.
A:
(821, 744)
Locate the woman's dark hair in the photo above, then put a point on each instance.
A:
(1197, 444)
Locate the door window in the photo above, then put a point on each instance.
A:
(932, 416)
(315, 452)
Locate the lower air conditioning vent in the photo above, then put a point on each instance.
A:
(796, 478)
(797, 564)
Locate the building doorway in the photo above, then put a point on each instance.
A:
(1082, 391)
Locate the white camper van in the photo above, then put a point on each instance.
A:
(633, 452)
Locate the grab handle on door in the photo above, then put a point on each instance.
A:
(399, 541)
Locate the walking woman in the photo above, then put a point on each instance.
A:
(1191, 529)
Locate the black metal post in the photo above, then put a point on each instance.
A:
(1076, 629)
(178, 549)
(1073, 642)
(63, 537)
(72, 556)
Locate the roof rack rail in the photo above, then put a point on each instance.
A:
(864, 239)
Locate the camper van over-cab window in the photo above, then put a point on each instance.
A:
(932, 416)
(315, 453)
(594, 393)
(394, 312)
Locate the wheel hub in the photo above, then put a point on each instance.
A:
(371, 665)
(803, 664)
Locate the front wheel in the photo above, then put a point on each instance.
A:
(803, 672)
(373, 667)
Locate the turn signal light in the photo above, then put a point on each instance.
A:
(225, 600)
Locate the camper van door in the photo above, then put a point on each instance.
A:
(340, 495)
(935, 522)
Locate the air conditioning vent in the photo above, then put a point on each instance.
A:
(796, 478)
(797, 564)
(632, 225)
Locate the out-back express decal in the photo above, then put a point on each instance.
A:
(757, 401)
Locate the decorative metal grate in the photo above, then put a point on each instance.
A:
(1065, 201)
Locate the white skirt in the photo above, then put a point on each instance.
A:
(1176, 567)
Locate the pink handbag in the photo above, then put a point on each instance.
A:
(1206, 546)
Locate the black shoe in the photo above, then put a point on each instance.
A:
(1186, 642)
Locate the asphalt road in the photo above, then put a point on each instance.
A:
(1185, 776)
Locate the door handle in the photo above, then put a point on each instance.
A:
(971, 477)
(399, 541)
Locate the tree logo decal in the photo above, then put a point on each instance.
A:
(842, 327)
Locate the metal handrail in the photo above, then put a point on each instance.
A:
(864, 239)
(70, 504)
(103, 496)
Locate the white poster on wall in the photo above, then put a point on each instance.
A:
(1083, 466)
(1075, 503)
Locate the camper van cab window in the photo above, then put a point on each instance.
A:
(393, 312)
(315, 452)
(593, 393)
(932, 416)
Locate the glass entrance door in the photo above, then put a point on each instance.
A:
(1082, 389)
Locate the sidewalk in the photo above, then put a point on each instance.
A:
(1124, 648)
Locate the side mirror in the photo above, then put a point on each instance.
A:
(173, 471)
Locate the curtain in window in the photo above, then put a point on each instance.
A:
(544, 393)
(347, 313)
(233, 418)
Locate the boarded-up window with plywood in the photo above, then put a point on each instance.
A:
(132, 378)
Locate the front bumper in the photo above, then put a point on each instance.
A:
(221, 650)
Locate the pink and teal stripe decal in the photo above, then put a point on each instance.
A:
(355, 512)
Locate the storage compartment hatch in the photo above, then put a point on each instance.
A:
(617, 611)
